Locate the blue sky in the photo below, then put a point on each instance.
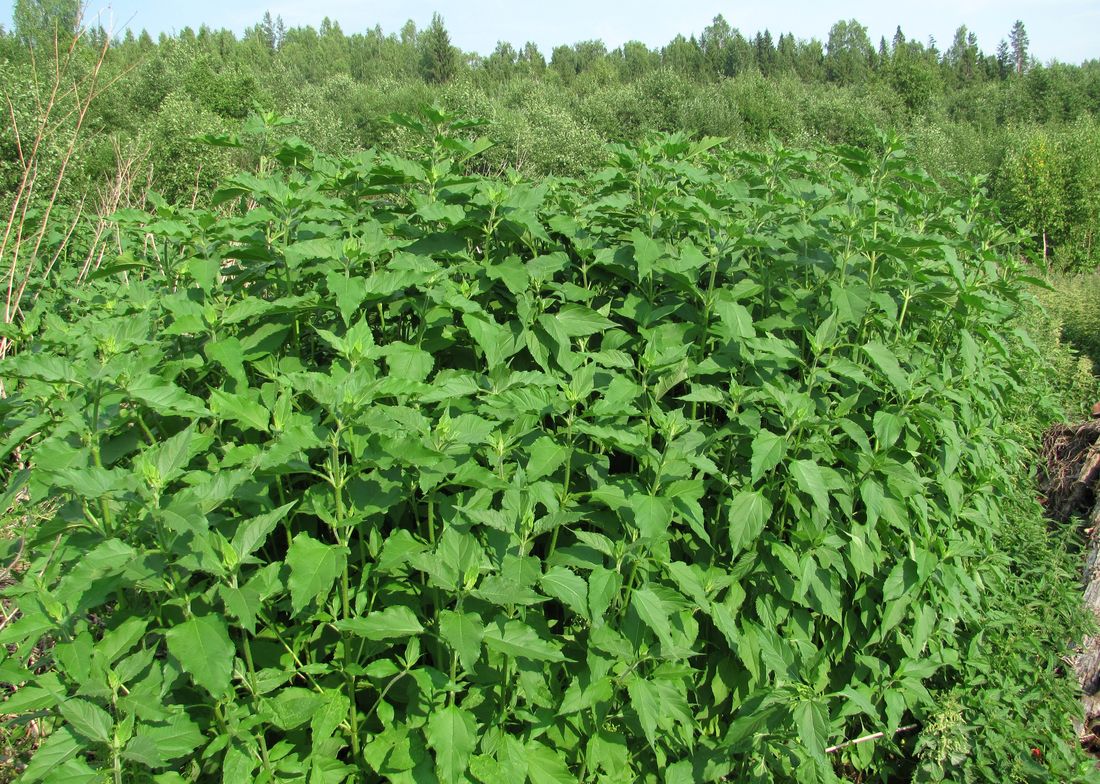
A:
(1066, 30)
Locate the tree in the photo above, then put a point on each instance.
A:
(531, 59)
(438, 58)
(1004, 59)
(637, 60)
(962, 57)
(683, 55)
(849, 53)
(272, 31)
(37, 22)
(501, 64)
(899, 39)
(1017, 39)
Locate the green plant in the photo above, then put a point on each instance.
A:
(688, 470)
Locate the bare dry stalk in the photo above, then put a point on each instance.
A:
(62, 101)
(867, 738)
(117, 193)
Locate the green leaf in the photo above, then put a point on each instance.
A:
(885, 361)
(60, 747)
(748, 513)
(463, 632)
(253, 532)
(495, 341)
(88, 719)
(645, 701)
(390, 623)
(813, 726)
(514, 638)
(888, 428)
(408, 362)
(452, 734)
(546, 456)
(647, 252)
(173, 739)
(651, 609)
(314, 567)
(810, 480)
(545, 766)
(350, 292)
(171, 456)
(205, 652)
(165, 398)
(736, 319)
(579, 321)
(652, 515)
(568, 588)
(240, 409)
(768, 449)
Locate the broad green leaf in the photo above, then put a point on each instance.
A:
(645, 701)
(748, 513)
(350, 292)
(204, 650)
(314, 567)
(736, 319)
(647, 252)
(514, 638)
(545, 766)
(580, 321)
(452, 735)
(888, 428)
(651, 609)
(652, 515)
(252, 533)
(813, 726)
(408, 362)
(292, 707)
(463, 632)
(546, 456)
(768, 450)
(810, 480)
(171, 456)
(885, 360)
(495, 341)
(567, 587)
(175, 738)
(58, 748)
(386, 624)
(164, 397)
(88, 719)
(240, 409)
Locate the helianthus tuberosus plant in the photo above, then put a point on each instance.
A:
(682, 472)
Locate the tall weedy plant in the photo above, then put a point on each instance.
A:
(684, 472)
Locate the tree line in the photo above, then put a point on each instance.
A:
(1028, 127)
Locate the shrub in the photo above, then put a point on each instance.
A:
(691, 469)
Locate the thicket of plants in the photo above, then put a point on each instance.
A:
(692, 469)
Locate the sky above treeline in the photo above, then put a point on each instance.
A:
(1064, 30)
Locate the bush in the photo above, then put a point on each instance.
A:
(691, 469)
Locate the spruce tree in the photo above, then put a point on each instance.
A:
(438, 59)
(1018, 41)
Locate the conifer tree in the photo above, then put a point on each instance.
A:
(438, 58)
(1018, 41)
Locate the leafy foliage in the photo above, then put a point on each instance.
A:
(689, 469)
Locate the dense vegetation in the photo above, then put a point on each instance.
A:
(1028, 127)
(404, 455)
